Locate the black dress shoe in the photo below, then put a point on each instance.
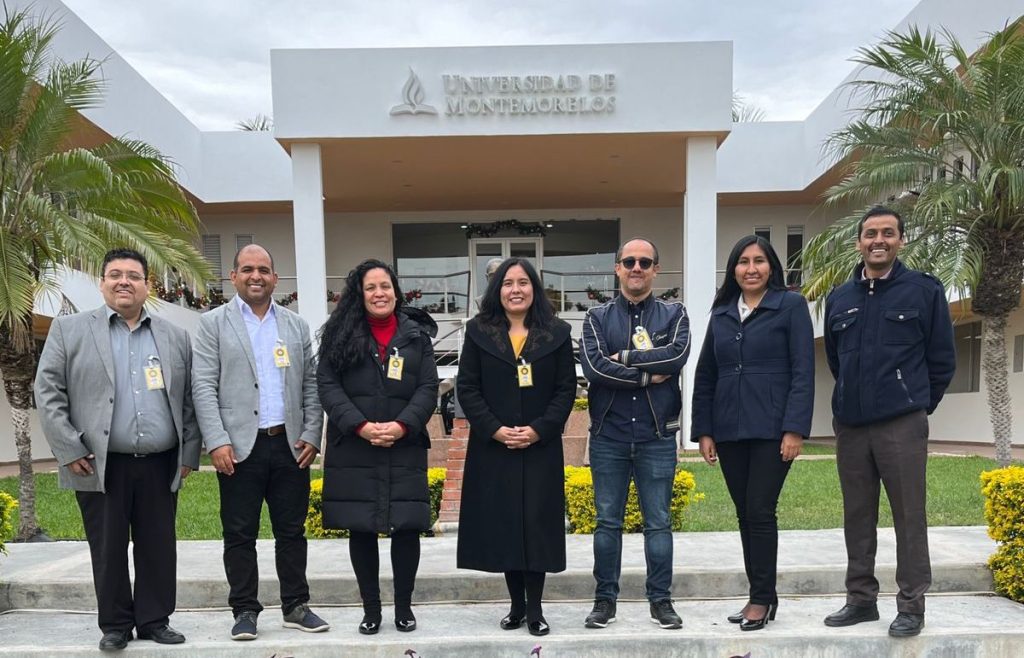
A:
(405, 625)
(162, 635)
(538, 627)
(115, 640)
(906, 624)
(736, 618)
(370, 625)
(851, 614)
(511, 621)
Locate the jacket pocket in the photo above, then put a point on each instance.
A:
(901, 327)
(844, 330)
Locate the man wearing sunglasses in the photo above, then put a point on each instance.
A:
(633, 349)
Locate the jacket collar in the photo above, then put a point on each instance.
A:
(858, 273)
(540, 342)
(772, 301)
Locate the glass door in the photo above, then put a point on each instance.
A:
(483, 250)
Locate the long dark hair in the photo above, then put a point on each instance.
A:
(541, 313)
(730, 290)
(345, 338)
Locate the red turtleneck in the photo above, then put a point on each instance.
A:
(383, 330)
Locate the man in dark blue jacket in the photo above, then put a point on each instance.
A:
(889, 342)
(633, 349)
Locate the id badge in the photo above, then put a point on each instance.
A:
(525, 371)
(281, 359)
(641, 339)
(154, 375)
(395, 365)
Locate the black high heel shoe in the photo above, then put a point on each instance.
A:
(758, 624)
(738, 617)
(512, 621)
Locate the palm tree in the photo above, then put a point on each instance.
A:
(743, 111)
(941, 136)
(258, 123)
(62, 205)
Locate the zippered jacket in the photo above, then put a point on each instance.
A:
(606, 331)
(889, 344)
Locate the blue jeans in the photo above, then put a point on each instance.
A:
(652, 466)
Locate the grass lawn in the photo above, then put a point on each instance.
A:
(810, 500)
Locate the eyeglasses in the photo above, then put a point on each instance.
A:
(629, 262)
(117, 275)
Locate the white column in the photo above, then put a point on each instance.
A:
(700, 229)
(308, 227)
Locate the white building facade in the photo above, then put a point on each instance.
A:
(439, 159)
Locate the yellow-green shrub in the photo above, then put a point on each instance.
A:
(1004, 510)
(7, 506)
(579, 501)
(315, 514)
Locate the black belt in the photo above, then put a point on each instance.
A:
(141, 455)
(270, 431)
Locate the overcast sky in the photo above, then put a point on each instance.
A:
(211, 58)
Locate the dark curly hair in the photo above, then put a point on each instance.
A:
(541, 313)
(345, 337)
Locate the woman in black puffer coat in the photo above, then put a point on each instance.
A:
(378, 386)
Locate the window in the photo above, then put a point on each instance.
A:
(211, 252)
(764, 232)
(242, 240)
(1018, 353)
(432, 263)
(968, 358)
(794, 260)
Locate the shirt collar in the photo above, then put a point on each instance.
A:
(143, 318)
(246, 309)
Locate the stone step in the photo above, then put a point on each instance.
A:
(708, 565)
(956, 625)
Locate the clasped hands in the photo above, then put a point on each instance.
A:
(516, 438)
(382, 435)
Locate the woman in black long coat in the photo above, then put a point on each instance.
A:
(516, 385)
(378, 386)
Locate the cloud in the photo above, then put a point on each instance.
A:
(212, 58)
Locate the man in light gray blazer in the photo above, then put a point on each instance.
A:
(254, 383)
(114, 394)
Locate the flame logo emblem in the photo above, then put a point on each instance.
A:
(413, 95)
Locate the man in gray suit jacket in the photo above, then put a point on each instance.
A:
(114, 394)
(254, 383)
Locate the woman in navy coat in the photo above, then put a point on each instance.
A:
(753, 395)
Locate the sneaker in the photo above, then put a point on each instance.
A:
(664, 615)
(602, 614)
(245, 626)
(304, 619)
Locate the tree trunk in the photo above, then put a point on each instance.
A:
(18, 369)
(996, 367)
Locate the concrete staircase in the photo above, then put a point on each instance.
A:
(47, 590)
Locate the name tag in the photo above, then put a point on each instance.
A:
(525, 372)
(395, 365)
(281, 359)
(641, 340)
(154, 378)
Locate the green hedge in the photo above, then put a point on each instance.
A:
(7, 506)
(579, 501)
(315, 514)
(1004, 510)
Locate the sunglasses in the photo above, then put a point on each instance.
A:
(629, 262)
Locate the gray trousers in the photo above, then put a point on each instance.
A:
(893, 453)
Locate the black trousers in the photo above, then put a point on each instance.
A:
(894, 453)
(754, 473)
(269, 473)
(405, 562)
(138, 505)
